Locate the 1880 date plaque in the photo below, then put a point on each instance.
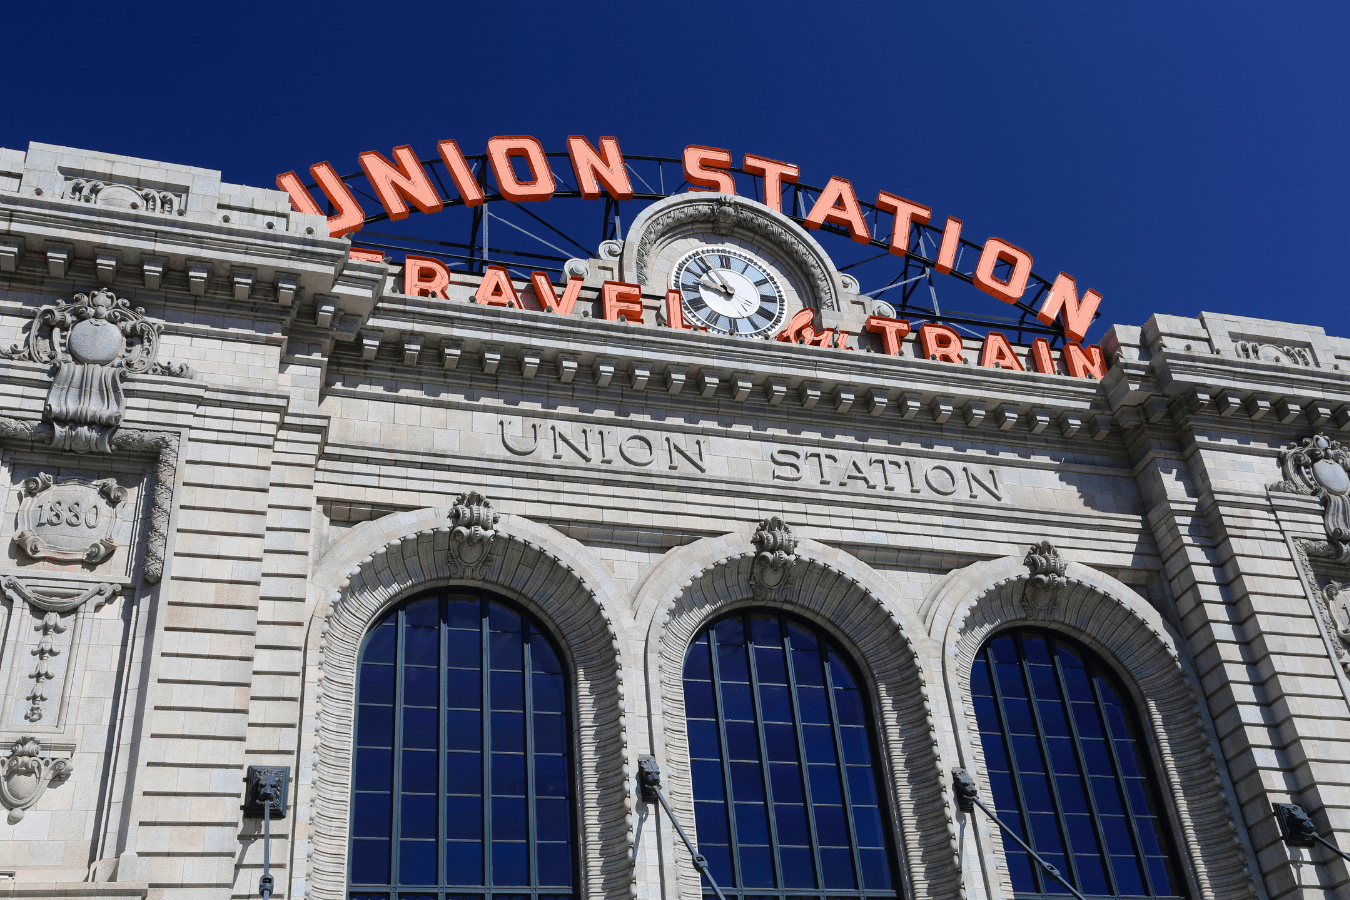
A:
(70, 520)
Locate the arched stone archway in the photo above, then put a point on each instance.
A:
(379, 563)
(975, 603)
(703, 580)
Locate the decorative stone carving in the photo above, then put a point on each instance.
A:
(93, 342)
(727, 213)
(1336, 615)
(1320, 467)
(473, 526)
(27, 772)
(69, 521)
(125, 196)
(1047, 579)
(1297, 356)
(772, 569)
(52, 614)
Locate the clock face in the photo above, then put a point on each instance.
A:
(729, 291)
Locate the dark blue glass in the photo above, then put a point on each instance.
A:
(771, 679)
(377, 685)
(419, 728)
(370, 862)
(1054, 703)
(438, 640)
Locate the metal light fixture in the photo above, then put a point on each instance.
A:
(265, 797)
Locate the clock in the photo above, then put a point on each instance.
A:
(728, 291)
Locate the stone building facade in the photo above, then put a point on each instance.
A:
(230, 445)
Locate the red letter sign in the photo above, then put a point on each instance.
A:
(997, 354)
(618, 299)
(775, 175)
(1008, 290)
(1063, 300)
(838, 205)
(905, 212)
(496, 289)
(892, 331)
(701, 165)
(501, 149)
(425, 277)
(458, 168)
(548, 298)
(592, 166)
(940, 342)
(392, 182)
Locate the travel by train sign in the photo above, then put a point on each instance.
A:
(518, 170)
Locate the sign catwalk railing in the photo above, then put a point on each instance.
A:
(524, 175)
(968, 797)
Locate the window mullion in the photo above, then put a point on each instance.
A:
(396, 800)
(531, 842)
(841, 767)
(763, 754)
(485, 725)
(443, 700)
(1140, 858)
(1055, 800)
(1015, 768)
(803, 770)
(1105, 850)
(727, 787)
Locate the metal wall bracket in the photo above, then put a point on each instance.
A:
(266, 784)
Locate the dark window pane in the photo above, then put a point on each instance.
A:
(550, 734)
(1017, 715)
(370, 862)
(508, 732)
(510, 864)
(463, 729)
(419, 728)
(417, 862)
(806, 667)
(463, 649)
(1053, 718)
(849, 705)
(876, 870)
(756, 867)
(986, 713)
(1091, 875)
(857, 751)
(799, 871)
(464, 773)
(375, 726)
(421, 647)
(370, 816)
(464, 689)
(781, 742)
(553, 819)
(732, 664)
(862, 785)
(787, 782)
(418, 815)
(825, 784)
(464, 818)
(551, 776)
(769, 664)
(505, 651)
(419, 772)
(736, 702)
(747, 782)
(1129, 880)
(1164, 877)
(549, 693)
(1071, 796)
(374, 770)
(840, 673)
(1020, 868)
(508, 690)
(836, 865)
(819, 743)
(698, 700)
(696, 660)
(421, 686)
(742, 740)
(831, 827)
(463, 611)
(719, 862)
(555, 864)
(867, 822)
(752, 826)
(703, 742)
(814, 707)
(707, 780)
(774, 703)
(502, 619)
(380, 645)
(711, 821)
(377, 684)
(508, 774)
(464, 862)
(792, 825)
(508, 819)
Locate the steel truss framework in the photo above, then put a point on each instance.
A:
(904, 284)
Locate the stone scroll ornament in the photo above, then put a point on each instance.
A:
(1336, 614)
(1320, 467)
(1047, 570)
(92, 343)
(473, 526)
(25, 775)
(772, 568)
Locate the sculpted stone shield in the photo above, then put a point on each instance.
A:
(70, 520)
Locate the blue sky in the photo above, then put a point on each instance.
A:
(1174, 156)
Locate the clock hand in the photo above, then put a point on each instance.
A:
(722, 281)
(717, 285)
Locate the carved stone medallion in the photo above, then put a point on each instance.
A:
(92, 342)
(70, 520)
(25, 775)
(473, 526)
(772, 568)
(1321, 467)
(1047, 579)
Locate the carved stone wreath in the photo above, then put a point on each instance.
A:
(92, 342)
(1320, 467)
(727, 213)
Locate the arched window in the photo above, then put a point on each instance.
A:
(1067, 770)
(462, 781)
(787, 778)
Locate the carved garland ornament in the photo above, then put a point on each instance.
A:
(93, 343)
(726, 214)
(25, 775)
(1320, 467)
